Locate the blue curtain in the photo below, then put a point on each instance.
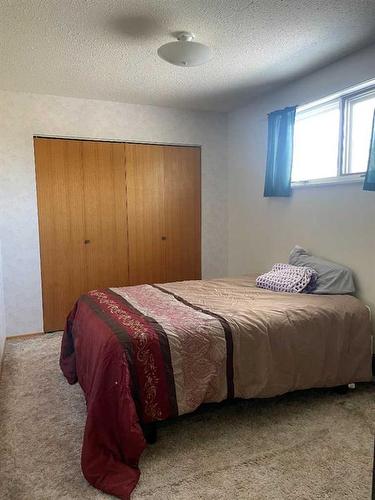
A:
(369, 184)
(280, 152)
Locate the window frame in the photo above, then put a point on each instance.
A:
(344, 99)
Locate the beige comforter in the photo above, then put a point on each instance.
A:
(281, 341)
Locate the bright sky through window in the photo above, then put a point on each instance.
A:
(316, 135)
(361, 111)
(332, 139)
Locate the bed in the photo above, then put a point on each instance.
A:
(151, 352)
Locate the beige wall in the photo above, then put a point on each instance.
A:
(337, 222)
(247, 235)
(23, 115)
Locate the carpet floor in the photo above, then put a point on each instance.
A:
(306, 445)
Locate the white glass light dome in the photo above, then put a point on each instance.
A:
(185, 52)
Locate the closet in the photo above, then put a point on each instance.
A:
(114, 214)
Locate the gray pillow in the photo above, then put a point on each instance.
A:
(332, 278)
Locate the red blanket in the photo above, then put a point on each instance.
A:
(122, 361)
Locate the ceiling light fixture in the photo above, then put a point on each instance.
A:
(185, 52)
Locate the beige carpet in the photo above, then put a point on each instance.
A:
(310, 445)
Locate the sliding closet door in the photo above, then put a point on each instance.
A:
(113, 214)
(182, 201)
(146, 222)
(106, 242)
(164, 193)
(61, 211)
(81, 188)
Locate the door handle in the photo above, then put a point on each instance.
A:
(86, 242)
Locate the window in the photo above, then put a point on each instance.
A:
(332, 138)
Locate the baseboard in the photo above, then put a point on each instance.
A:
(2, 352)
(25, 336)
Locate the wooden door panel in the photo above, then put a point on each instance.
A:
(81, 189)
(146, 226)
(106, 244)
(61, 227)
(182, 212)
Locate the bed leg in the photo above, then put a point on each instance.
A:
(150, 432)
(344, 389)
(341, 389)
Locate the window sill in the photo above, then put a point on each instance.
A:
(331, 181)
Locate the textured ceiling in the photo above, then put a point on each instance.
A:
(106, 49)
